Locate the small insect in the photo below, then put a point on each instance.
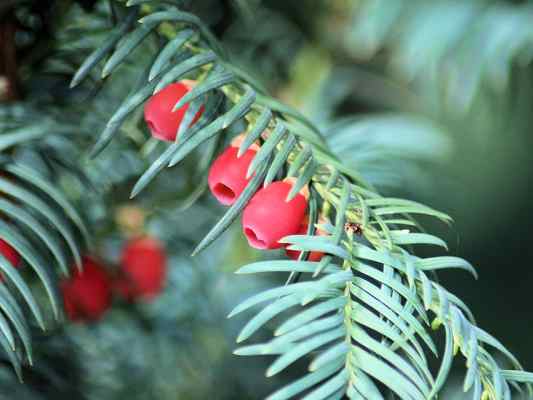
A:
(353, 227)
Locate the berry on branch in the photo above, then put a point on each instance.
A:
(143, 269)
(161, 120)
(313, 255)
(227, 176)
(87, 294)
(269, 217)
(9, 253)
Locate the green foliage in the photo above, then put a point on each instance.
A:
(40, 223)
(366, 313)
(367, 308)
(480, 43)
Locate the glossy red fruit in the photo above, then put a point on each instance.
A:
(87, 294)
(161, 120)
(9, 253)
(143, 269)
(313, 255)
(227, 175)
(268, 217)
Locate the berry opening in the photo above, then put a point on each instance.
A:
(224, 193)
(151, 126)
(161, 135)
(254, 240)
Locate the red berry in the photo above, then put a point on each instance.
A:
(161, 120)
(143, 269)
(227, 176)
(268, 217)
(87, 294)
(9, 253)
(313, 255)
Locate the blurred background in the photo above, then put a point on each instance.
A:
(436, 98)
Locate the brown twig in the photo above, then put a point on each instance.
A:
(8, 61)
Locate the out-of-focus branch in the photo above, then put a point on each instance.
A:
(8, 61)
